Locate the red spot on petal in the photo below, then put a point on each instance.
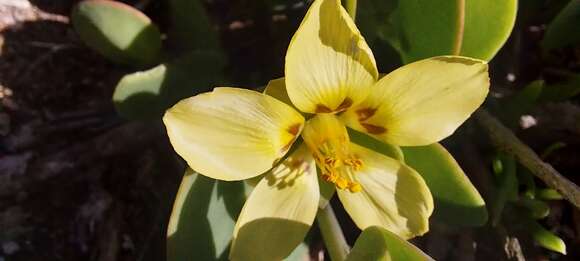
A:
(365, 114)
(344, 105)
(294, 129)
(374, 129)
(322, 109)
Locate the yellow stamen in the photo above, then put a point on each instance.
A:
(341, 183)
(328, 140)
(338, 165)
(354, 187)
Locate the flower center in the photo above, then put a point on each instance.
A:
(338, 166)
(329, 143)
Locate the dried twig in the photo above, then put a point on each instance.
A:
(505, 140)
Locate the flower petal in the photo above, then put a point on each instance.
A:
(329, 66)
(422, 102)
(230, 133)
(279, 212)
(393, 196)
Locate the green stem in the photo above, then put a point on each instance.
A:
(505, 140)
(332, 234)
(350, 6)
(458, 41)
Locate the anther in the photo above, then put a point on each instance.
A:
(330, 161)
(354, 187)
(355, 163)
(341, 183)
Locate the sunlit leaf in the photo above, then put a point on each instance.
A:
(549, 194)
(147, 94)
(457, 202)
(426, 28)
(376, 243)
(545, 238)
(563, 30)
(117, 31)
(203, 218)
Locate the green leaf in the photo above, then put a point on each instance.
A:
(537, 209)
(117, 31)
(563, 30)
(204, 214)
(203, 218)
(190, 27)
(376, 243)
(549, 194)
(562, 90)
(522, 102)
(147, 94)
(369, 142)
(301, 253)
(545, 238)
(507, 186)
(425, 28)
(457, 202)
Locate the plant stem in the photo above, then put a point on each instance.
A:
(350, 6)
(504, 139)
(458, 42)
(332, 234)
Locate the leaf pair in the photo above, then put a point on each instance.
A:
(125, 35)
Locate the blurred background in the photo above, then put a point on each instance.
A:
(87, 174)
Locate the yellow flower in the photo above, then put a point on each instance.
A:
(330, 75)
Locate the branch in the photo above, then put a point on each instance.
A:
(504, 139)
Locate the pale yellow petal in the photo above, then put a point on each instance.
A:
(279, 212)
(329, 66)
(393, 196)
(230, 133)
(422, 102)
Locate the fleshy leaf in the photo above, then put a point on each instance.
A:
(190, 27)
(549, 194)
(426, 28)
(538, 209)
(457, 202)
(203, 218)
(522, 102)
(378, 244)
(563, 30)
(117, 31)
(561, 91)
(545, 238)
(147, 94)
(506, 186)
